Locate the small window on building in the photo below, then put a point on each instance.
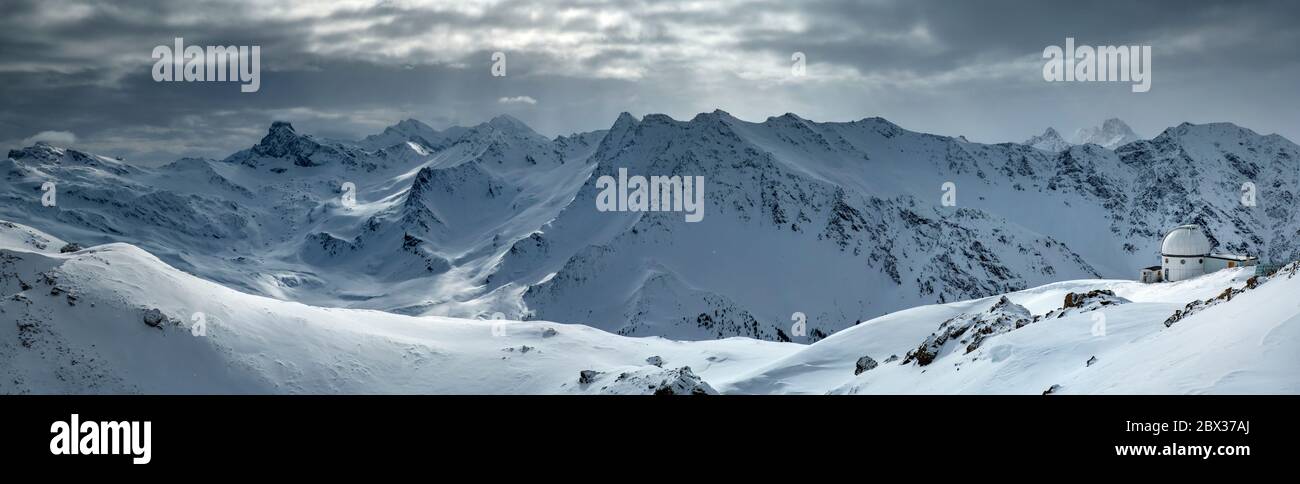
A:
(1182, 261)
(1232, 264)
(1200, 261)
(1166, 260)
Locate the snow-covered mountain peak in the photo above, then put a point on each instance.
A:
(1215, 140)
(407, 130)
(1050, 140)
(282, 140)
(787, 118)
(410, 125)
(1221, 131)
(658, 118)
(717, 115)
(283, 145)
(624, 120)
(40, 151)
(415, 129)
(881, 126)
(280, 131)
(511, 125)
(621, 131)
(46, 157)
(1112, 134)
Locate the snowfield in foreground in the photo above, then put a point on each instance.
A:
(76, 322)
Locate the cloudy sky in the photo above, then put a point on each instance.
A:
(79, 73)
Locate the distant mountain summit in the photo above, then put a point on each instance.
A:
(1112, 134)
(1050, 140)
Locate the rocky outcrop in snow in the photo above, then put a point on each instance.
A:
(1084, 302)
(970, 331)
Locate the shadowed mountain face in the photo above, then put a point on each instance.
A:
(827, 223)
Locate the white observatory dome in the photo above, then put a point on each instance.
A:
(1186, 241)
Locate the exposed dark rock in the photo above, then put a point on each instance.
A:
(1084, 302)
(154, 317)
(971, 330)
(865, 363)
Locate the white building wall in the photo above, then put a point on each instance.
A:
(1182, 268)
(1215, 264)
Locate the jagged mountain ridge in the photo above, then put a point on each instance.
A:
(774, 220)
(1110, 134)
(464, 221)
(271, 219)
(860, 194)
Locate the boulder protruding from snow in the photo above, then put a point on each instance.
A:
(865, 363)
(655, 360)
(70, 248)
(154, 317)
(587, 376)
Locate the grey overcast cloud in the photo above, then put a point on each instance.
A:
(79, 73)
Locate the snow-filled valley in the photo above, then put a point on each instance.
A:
(475, 260)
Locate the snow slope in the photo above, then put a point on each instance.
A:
(1246, 345)
(80, 326)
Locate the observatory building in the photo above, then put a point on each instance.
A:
(1185, 253)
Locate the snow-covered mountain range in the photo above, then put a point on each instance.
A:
(828, 223)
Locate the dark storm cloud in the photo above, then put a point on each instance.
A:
(348, 69)
(961, 31)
